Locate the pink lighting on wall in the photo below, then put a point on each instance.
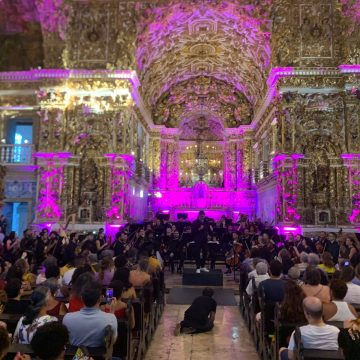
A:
(285, 169)
(120, 171)
(352, 162)
(51, 180)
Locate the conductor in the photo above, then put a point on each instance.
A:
(200, 230)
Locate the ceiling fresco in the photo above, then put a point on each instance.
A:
(223, 45)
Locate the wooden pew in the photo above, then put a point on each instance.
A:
(309, 354)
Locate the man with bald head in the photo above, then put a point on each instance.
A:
(316, 335)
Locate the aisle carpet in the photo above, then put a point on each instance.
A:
(185, 296)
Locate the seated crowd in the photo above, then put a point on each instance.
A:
(51, 278)
(73, 290)
(309, 284)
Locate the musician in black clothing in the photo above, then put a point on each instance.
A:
(200, 229)
(119, 245)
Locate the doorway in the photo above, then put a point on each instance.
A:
(16, 214)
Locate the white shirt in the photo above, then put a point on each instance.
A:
(353, 293)
(258, 280)
(68, 276)
(317, 337)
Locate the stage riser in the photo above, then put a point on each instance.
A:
(212, 278)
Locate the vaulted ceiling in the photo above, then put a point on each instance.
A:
(204, 57)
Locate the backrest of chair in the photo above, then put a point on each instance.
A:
(109, 342)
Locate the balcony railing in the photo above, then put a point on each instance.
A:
(16, 154)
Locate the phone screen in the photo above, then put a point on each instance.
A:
(109, 295)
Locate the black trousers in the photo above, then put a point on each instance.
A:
(200, 247)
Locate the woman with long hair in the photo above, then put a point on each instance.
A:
(349, 339)
(291, 308)
(35, 316)
(128, 291)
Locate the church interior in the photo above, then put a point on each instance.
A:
(114, 112)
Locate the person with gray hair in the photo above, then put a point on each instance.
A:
(316, 335)
(55, 307)
(294, 274)
(304, 261)
(314, 261)
(261, 274)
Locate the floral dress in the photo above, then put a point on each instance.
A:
(24, 333)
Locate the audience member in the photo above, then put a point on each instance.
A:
(35, 316)
(273, 288)
(316, 335)
(349, 339)
(328, 264)
(55, 307)
(353, 293)
(106, 272)
(261, 274)
(80, 278)
(312, 286)
(338, 309)
(291, 308)
(14, 304)
(87, 327)
(123, 275)
(49, 341)
(140, 276)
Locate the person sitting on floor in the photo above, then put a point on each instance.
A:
(200, 316)
(338, 309)
(316, 335)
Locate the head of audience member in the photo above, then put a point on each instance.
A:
(304, 257)
(79, 271)
(338, 289)
(50, 261)
(313, 259)
(294, 273)
(276, 269)
(91, 294)
(120, 261)
(261, 268)
(80, 281)
(312, 276)
(38, 304)
(52, 271)
(123, 275)
(13, 289)
(209, 292)
(143, 264)
(347, 273)
(50, 340)
(53, 285)
(106, 264)
(118, 288)
(292, 304)
(313, 310)
(15, 271)
(4, 342)
(332, 237)
(23, 265)
(327, 260)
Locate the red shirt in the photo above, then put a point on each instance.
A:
(75, 304)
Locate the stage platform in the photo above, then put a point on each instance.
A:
(212, 278)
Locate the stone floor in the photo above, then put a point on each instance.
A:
(229, 340)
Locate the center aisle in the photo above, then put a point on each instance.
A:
(229, 340)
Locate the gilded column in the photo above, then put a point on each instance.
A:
(120, 173)
(352, 162)
(50, 185)
(286, 172)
